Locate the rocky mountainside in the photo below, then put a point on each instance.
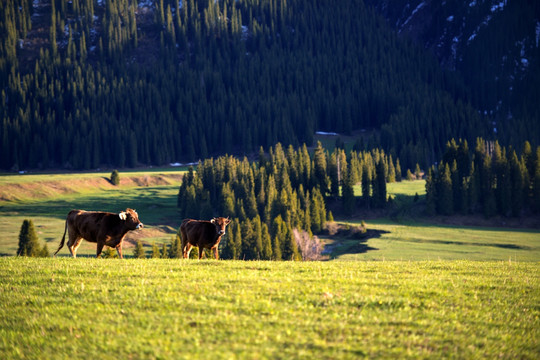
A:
(492, 44)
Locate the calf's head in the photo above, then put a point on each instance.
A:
(220, 223)
(131, 218)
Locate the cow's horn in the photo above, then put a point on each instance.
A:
(122, 215)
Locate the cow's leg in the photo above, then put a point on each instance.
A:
(73, 242)
(201, 252)
(216, 253)
(100, 245)
(75, 246)
(119, 250)
(187, 250)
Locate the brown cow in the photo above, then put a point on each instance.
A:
(103, 228)
(203, 234)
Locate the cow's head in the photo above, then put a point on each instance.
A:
(131, 218)
(220, 223)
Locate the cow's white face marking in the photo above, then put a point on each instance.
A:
(122, 215)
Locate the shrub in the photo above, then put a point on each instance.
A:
(115, 178)
(28, 240)
(310, 247)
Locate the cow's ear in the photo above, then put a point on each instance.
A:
(227, 221)
(213, 221)
(122, 216)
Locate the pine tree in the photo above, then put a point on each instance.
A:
(266, 243)
(28, 240)
(175, 250)
(398, 171)
(115, 178)
(164, 251)
(445, 204)
(155, 251)
(138, 252)
(348, 198)
(431, 195)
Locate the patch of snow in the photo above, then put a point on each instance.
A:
(176, 164)
(420, 6)
(326, 133)
(450, 18)
(498, 6)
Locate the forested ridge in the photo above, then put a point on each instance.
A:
(122, 83)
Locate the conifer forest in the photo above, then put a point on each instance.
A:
(125, 83)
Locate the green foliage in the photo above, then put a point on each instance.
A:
(115, 178)
(28, 240)
(109, 253)
(273, 72)
(156, 254)
(138, 251)
(484, 181)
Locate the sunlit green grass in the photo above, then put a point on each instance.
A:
(156, 206)
(185, 309)
(410, 241)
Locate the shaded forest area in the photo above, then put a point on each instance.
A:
(488, 180)
(123, 83)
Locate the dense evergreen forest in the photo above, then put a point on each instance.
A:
(494, 45)
(284, 190)
(489, 179)
(88, 83)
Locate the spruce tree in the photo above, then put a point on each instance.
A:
(164, 251)
(28, 240)
(138, 252)
(348, 198)
(155, 251)
(431, 195)
(115, 178)
(445, 204)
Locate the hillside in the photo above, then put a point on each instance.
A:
(493, 45)
(95, 83)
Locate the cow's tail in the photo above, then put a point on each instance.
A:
(63, 240)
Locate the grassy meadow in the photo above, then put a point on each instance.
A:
(185, 309)
(152, 193)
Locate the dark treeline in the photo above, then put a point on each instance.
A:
(282, 191)
(489, 179)
(86, 84)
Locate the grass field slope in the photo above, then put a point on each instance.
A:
(189, 309)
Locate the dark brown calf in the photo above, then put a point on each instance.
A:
(99, 227)
(203, 234)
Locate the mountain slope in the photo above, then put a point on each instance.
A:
(492, 44)
(94, 83)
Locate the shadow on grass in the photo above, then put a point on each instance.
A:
(357, 245)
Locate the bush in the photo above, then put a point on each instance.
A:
(28, 240)
(115, 178)
(109, 253)
(310, 247)
(138, 253)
